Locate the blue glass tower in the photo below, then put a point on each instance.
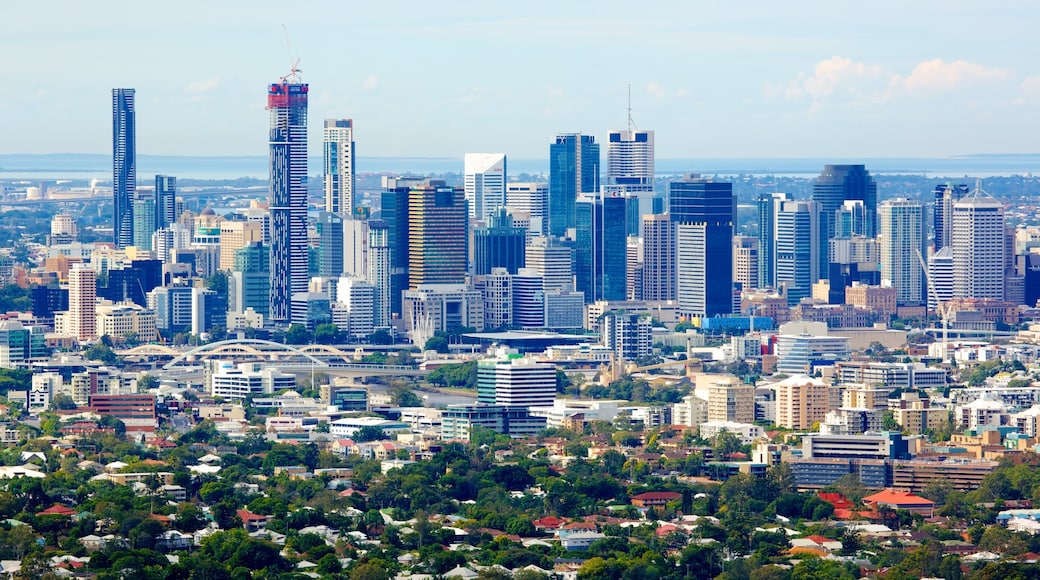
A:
(709, 207)
(601, 245)
(124, 167)
(573, 169)
(165, 201)
(287, 103)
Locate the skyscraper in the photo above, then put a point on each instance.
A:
(902, 238)
(484, 181)
(500, 244)
(573, 169)
(379, 270)
(437, 234)
(165, 201)
(767, 207)
(942, 211)
(977, 239)
(630, 165)
(516, 382)
(82, 314)
(329, 227)
(287, 103)
(797, 233)
(124, 166)
(600, 247)
(658, 258)
(532, 199)
(144, 220)
(339, 166)
(393, 209)
(553, 263)
(836, 185)
(703, 211)
(745, 261)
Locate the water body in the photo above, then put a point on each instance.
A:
(90, 166)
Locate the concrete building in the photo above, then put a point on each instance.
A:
(239, 382)
(732, 401)
(515, 381)
(628, 335)
(82, 313)
(800, 402)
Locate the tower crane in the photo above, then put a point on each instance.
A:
(940, 307)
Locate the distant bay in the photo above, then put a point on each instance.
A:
(91, 166)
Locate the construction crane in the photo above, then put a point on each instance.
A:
(940, 307)
(294, 64)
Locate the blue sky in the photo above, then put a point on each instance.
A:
(438, 79)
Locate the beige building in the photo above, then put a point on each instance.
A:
(124, 320)
(801, 401)
(235, 235)
(731, 400)
(881, 299)
(81, 320)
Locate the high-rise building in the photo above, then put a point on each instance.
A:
(329, 227)
(339, 166)
(437, 234)
(836, 185)
(573, 169)
(235, 235)
(630, 165)
(745, 261)
(379, 270)
(704, 211)
(977, 239)
(942, 211)
(497, 289)
(634, 268)
(800, 402)
(500, 244)
(658, 258)
(767, 207)
(630, 336)
(514, 381)
(731, 400)
(393, 210)
(250, 282)
(600, 247)
(484, 181)
(533, 199)
(124, 166)
(902, 238)
(554, 263)
(165, 201)
(144, 220)
(287, 103)
(796, 235)
(358, 298)
(82, 313)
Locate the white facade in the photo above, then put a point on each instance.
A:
(484, 183)
(238, 382)
(516, 382)
(124, 319)
(747, 432)
(441, 307)
(358, 299)
(978, 241)
(690, 269)
(902, 236)
(798, 354)
(555, 264)
(533, 199)
(339, 166)
(379, 271)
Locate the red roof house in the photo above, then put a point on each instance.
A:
(901, 500)
(654, 498)
(57, 510)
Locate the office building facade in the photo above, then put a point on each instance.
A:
(287, 104)
(835, 185)
(600, 247)
(484, 182)
(796, 235)
(515, 381)
(573, 170)
(902, 238)
(437, 235)
(977, 241)
(703, 211)
(124, 166)
(339, 166)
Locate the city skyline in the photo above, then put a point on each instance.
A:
(881, 84)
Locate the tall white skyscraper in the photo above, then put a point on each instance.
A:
(977, 239)
(690, 268)
(339, 166)
(630, 164)
(485, 183)
(379, 270)
(901, 225)
(532, 198)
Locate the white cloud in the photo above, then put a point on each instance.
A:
(370, 83)
(838, 78)
(203, 86)
(940, 77)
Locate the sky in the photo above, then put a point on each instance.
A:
(750, 79)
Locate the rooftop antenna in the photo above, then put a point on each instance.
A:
(294, 64)
(630, 122)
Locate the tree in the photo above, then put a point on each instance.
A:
(146, 383)
(402, 396)
(724, 444)
(889, 423)
(437, 343)
(368, 433)
(101, 352)
(380, 337)
(297, 334)
(326, 333)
